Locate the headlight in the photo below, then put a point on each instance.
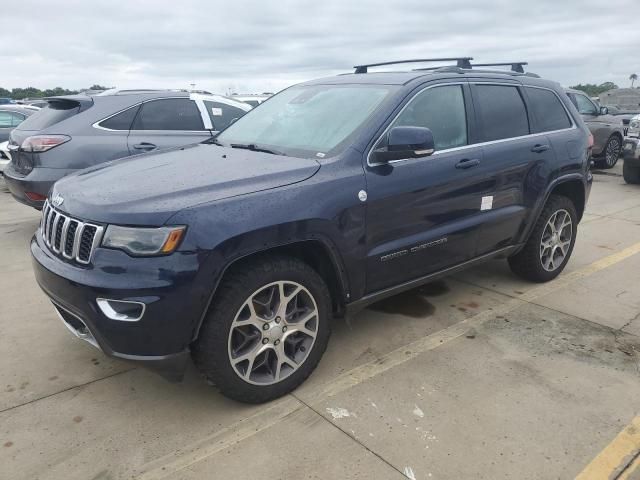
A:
(634, 124)
(143, 241)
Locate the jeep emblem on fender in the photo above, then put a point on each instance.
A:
(57, 200)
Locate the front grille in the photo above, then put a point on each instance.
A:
(68, 237)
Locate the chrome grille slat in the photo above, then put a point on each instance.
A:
(69, 237)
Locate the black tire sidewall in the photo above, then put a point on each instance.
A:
(211, 349)
(602, 163)
(631, 174)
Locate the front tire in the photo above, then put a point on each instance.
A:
(550, 244)
(631, 174)
(611, 153)
(266, 330)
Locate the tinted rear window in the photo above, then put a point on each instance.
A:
(54, 113)
(221, 114)
(549, 112)
(502, 112)
(121, 121)
(169, 114)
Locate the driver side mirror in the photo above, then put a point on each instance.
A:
(604, 111)
(406, 142)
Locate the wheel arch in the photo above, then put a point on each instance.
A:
(571, 186)
(317, 252)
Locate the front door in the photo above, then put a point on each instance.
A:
(422, 212)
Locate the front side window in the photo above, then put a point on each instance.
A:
(584, 105)
(502, 112)
(222, 115)
(549, 112)
(312, 120)
(440, 109)
(169, 114)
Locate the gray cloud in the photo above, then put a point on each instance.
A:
(260, 46)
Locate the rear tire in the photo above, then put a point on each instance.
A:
(550, 244)
(631, 174)
(266, 330)
(610, 154)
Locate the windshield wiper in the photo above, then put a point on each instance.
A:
(255, 148)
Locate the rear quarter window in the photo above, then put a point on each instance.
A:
(547, 109)
(502, 112)
(122, 120)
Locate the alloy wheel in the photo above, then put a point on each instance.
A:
(556, 240)
(273, 333)
(612, 151)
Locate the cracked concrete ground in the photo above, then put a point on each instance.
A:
(481, 375)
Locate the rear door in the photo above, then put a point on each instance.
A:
(515, 163)
(166, 122)
(421, 212)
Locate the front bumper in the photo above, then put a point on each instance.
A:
(160, 339)
(39, 180)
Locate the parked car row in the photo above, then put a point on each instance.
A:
(76, 132)
(333, 194)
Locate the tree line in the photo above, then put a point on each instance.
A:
(591, 89)
(32, 92)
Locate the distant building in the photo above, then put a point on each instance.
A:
(625, 98)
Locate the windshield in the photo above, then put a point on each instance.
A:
(307, 121)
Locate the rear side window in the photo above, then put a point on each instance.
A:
(502, 112)
(10, 119)
(441, 109)
(222, 115)
(548, 110)
(121, 121)
(54, 112)
(169, 114)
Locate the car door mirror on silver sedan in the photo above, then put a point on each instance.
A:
(604, 111)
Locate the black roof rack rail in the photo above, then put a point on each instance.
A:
(461, 62)
(515, 66)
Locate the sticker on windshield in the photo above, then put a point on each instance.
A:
(320, 155)
(216, 112)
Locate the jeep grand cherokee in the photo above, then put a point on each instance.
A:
(332, 195)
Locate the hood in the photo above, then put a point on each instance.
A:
(148, 189)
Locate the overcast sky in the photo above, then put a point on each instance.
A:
(256, 46)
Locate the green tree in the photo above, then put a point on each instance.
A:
(633, 77)
(594, 90)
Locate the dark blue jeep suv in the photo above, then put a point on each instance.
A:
(333, 194)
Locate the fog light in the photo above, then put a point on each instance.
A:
(122, 310)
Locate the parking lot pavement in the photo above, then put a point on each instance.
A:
(481, 375)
